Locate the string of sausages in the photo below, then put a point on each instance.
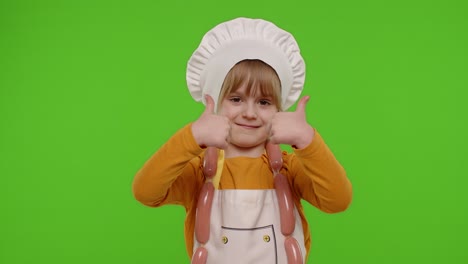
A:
(286, 204)
(283, 193)
(205, 201)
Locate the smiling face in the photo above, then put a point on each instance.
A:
(250, 98)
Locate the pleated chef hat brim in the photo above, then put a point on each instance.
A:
(242, 38)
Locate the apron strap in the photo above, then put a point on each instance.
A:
(219, 170)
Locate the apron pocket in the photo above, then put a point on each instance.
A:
(249, 245)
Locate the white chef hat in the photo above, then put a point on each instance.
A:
(239, 39)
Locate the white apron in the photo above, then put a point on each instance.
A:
(245, 228)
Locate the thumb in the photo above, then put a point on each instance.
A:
(301, 105)
(210, 104)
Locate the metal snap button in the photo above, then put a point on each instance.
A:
(266, 238)
(225, 240)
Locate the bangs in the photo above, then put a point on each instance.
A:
(259, 78)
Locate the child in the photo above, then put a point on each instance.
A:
(239, 210)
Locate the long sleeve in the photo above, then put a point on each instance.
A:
(319, 178)
(171, 175)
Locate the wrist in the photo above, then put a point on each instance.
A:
(305, 139)
(196, 135)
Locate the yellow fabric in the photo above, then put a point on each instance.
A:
(174, 175)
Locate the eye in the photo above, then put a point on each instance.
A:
(235, 99)
(264, 102)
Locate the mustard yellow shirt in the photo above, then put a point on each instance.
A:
(174, 175)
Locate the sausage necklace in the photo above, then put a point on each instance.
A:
(283, 193)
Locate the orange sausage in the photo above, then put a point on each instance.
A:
(293, 252)
(202, 222)
(286, 204)
(200, 256)
(210, 162)
(275, 157)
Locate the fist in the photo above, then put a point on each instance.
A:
(291, 127)
(211, 130)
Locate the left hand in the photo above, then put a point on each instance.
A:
(291, 127)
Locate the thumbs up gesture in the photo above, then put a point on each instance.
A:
(211, 130)
(291, 127)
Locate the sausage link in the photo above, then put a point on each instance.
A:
(293, 252)
(200, 256)
(202, 222)
(210, 162)
(286, 204)
(275, 157)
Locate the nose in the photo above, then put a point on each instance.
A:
(249, 111)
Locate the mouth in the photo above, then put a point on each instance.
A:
(246, 126)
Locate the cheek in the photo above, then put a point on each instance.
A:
(227, 112)
(267, 116)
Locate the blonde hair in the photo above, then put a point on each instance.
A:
(258, 76)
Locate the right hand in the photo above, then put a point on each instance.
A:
(211, 130)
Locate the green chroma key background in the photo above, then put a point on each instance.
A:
(90, 89)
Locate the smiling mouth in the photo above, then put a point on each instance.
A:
(247, 126)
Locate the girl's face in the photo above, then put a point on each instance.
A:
(250, 117)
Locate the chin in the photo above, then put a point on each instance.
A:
(248, 143)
